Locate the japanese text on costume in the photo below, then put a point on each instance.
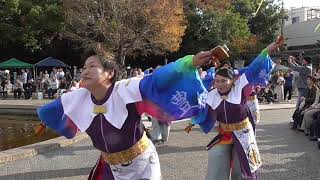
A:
(180, 99)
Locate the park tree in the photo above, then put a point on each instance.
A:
(212, 5)
(211, 24)
(232, 22)
(246, 8)
(30, 23)
(267, 22)
(126, 27)
(264, 22)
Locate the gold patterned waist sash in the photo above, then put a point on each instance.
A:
(251, 98)
(127, 155)
(235, 126)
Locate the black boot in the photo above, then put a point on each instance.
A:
(300, 131)
(312, 138)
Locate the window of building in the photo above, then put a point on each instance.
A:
(295, 20)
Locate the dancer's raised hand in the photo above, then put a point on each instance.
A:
(275, 45)
(202, 58)
(188, 128)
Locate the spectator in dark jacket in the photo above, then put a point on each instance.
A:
(288, 85)
(63, 87)
(307, 101)
(315, 128)
(269, 95)
(28, 90)
(29, 74)
(311, 92)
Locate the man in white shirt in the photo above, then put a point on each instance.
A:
(46, 75)
(60, 74)
(24, 76)
(17, 89)
(54, 73)
(53, 87)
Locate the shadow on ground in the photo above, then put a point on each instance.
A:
(61, 173)
(287, 154)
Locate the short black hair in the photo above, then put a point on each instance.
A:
(225, 72)
(225, 62)
(308, 59)
(106, 59)
(313, 79)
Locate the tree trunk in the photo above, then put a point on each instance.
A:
(165, 59)
(120, 58)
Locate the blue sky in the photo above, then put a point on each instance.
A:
(300, 3)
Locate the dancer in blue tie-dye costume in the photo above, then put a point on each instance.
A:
(234, 152)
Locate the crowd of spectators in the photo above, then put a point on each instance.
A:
(21, 83)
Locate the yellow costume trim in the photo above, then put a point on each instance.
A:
(127, 155)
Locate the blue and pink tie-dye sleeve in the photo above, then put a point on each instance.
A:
(52, 115)
(173, 92)
(205, 119)
(208, 79)
(258, 72)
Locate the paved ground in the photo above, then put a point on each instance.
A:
(24, 102)
(286, 155)
(35, 103)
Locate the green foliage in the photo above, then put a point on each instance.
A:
(31, 23)
(135, 27)
(246, 8)
(235, 26)
(209, 28)
(267, 23)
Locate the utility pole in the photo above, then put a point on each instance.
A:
(282, 18)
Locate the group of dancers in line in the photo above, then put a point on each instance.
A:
(109, 110)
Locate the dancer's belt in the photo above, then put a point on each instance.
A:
(127, 155)
(235, 126)
(251, 98)
(225, 132)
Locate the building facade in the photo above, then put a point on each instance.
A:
(298, 15)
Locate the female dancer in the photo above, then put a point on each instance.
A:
(236, 153)
(109, 111)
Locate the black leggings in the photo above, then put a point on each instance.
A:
(5, 94)
(17, 93)
(287, 89)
